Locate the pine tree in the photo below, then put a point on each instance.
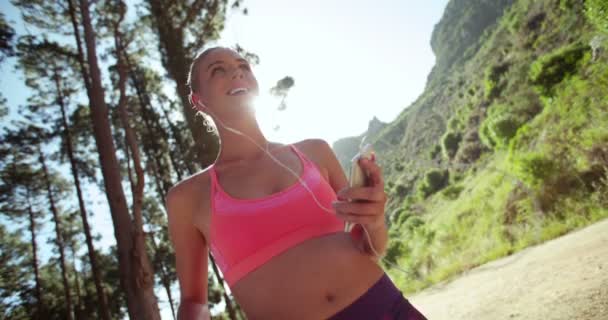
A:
(183, 27)
(20, 191)
(136, 272)
(50, 71)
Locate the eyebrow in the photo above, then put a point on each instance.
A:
(220, 61)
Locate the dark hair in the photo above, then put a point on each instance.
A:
(193, 81)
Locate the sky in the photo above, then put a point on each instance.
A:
(351, 61)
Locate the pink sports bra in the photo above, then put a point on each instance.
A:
(246, 233)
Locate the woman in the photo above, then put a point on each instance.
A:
(277, 237)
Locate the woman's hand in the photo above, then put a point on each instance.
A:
(365, 205)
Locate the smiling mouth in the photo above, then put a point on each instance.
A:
(238, 91)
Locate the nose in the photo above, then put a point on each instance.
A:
(237, 73)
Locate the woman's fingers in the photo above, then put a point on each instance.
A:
(373, 171)
(359, 208)
(354, 218)
(363, 193)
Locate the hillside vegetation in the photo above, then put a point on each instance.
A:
(508, 144)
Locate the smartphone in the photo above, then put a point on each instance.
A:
(357, 177)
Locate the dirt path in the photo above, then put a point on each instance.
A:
(565, 278)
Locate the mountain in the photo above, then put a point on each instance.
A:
(508, 144)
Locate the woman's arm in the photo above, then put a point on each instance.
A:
(191, 253)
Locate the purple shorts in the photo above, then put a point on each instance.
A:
(383, 301)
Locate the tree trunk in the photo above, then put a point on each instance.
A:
(136, 275)
(178, 140)
(39, 302)
(231, 312)
(58, 233)
(164, 278)
(152, 124)
(104, 311)
(177, 63)
(78, 308)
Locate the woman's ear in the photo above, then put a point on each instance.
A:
(196, 102)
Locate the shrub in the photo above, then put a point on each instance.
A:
(435, 151)
(551, 69)
(485, 136)
(597, 13)
(413, 223)
(535, 21)
(450, 142)
(454, 124)
(394, 250)
(401, 189)
(452, 192)
(534, 168)
(398, 166)
(492, 76)
(434, 180)
(504, 127)
(469, 152)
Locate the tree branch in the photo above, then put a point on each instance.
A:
(195, 8)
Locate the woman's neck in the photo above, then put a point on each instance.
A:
(236, 148)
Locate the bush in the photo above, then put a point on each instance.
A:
(504, 127)
(534, 168)
(450, 142)
(469, 152)
(452, 192)
(435, 151)
(551, 69)
(434, 180)
(597, 13)
(401, 189)
(454, 124)
(485, 136)
(498, 129)
(398, 166)
(492, 76)
(394, 250)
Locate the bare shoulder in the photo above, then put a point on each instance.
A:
(315, 147)
(319, 151)
(189, 199)
(190, 186)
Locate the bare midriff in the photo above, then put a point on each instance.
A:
(310, 281)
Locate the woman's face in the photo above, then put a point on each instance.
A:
(226, 81)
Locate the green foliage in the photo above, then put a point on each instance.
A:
(492, 77)
(452, 192)
(7, 34)
(534, 168)
(504, 127)
(435, 151)
(394, 250)
(398, 166)
(434, 180)
(450, 142)
(401, 189)
(566, 4)
(469, 152)
(545, 185)
(551, 69)
(597, 13)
